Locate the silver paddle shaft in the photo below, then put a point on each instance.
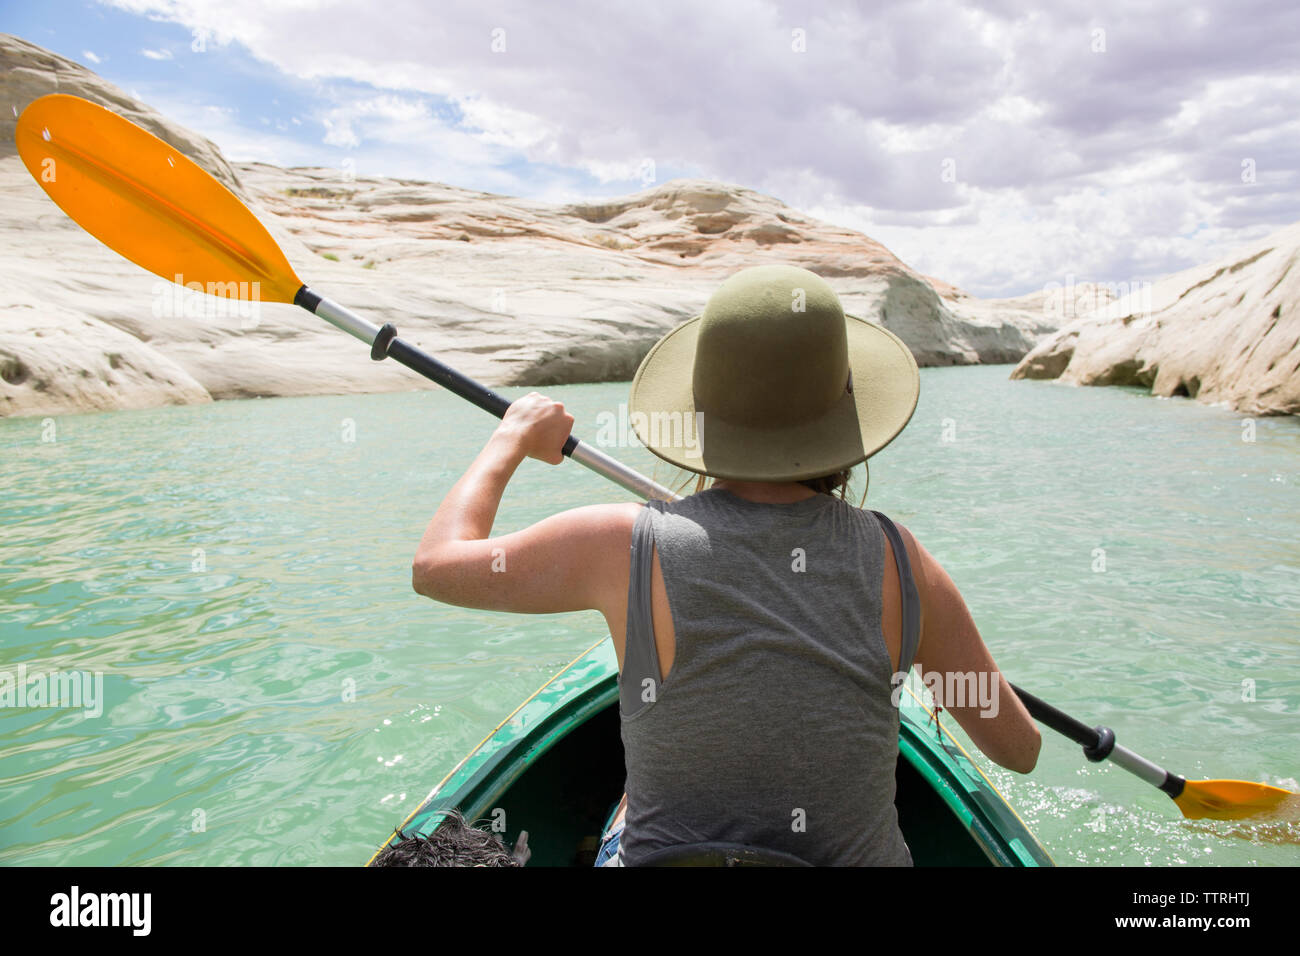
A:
(621, 474)
(1138, 765)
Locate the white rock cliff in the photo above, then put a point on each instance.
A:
(1223, 333)
(509, 291)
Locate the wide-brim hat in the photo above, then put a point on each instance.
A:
(773, 382)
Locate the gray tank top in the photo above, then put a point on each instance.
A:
(775, 727)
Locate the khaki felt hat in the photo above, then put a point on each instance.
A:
(773, 382)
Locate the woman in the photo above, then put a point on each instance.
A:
(761, 625)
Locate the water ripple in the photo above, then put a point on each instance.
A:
(239, 575)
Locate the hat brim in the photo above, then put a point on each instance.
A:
(886, 387)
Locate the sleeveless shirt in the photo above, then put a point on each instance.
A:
(775, 727)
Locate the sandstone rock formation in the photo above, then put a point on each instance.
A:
(1227, 332)
(28, 71)
(509, 291)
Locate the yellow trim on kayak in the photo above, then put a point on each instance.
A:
(956, 743)
(558, 674)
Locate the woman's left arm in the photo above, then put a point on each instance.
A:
(568, 562)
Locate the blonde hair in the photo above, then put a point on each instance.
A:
(836, 485)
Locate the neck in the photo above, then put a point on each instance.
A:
(766, 492)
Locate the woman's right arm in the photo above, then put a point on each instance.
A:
(958, 668)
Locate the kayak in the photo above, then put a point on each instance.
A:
(554, 767)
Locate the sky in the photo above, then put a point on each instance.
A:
(996, 146)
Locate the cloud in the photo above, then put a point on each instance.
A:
(157, 54)
(90, 57)
(1084, 136)
(382, 117)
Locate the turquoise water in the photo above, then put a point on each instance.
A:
(275, 693)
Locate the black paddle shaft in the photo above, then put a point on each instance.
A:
(420, 361)
(384, 343)
(1097, 742)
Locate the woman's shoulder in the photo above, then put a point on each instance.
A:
(590, 525)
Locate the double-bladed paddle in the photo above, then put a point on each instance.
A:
(146, 200)
(1220, 799)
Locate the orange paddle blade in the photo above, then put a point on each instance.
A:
(1230, 799)
(144, 199)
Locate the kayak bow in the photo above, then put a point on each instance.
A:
(554, 767)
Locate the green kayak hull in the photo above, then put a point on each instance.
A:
(554, 767)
